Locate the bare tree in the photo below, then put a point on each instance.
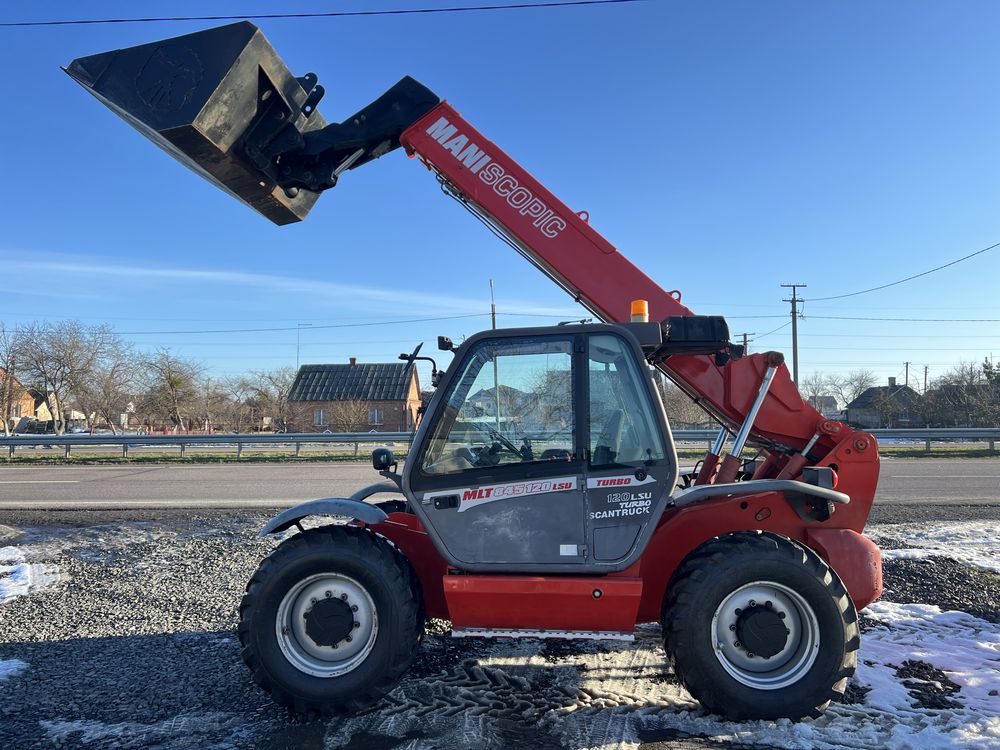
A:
(240, 406)
(109, 389)
(848, 387)
(682, 412)
(989, 395)
(10, 389)
(955, 399)
(56, 357)
(815, 387)
(350, 415)
(171, 386)
(888, 408)
(271, 389)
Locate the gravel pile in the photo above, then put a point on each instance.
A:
(945, 583)
(138, 636)
(135, 646)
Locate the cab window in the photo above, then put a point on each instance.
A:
(623, 426)
(511, 403)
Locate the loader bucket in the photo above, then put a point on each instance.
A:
(200, 96)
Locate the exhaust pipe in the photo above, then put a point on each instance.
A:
(223, 103)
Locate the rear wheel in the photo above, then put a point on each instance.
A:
(760, 627)
(330, 620)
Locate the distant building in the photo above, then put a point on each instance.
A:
(886, 406)
(16, 400)
(358, 396)
(827, 406)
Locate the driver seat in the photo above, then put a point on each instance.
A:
(609, 441)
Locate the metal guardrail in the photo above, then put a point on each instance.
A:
(237, 440)
(242, 440)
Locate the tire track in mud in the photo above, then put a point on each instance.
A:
(541, 695)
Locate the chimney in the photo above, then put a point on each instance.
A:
(892, 381)
(354, 361)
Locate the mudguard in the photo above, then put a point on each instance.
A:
(331, 506)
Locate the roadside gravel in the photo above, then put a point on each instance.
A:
(135, 645)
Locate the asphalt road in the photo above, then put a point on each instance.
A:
(911, 481)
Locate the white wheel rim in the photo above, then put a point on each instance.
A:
(787, 666)
(301, 650)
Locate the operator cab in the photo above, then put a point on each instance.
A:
(544, 449)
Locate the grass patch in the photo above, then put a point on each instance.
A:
(97, 459)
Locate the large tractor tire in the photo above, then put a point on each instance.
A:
(331, 620)
(760, 627)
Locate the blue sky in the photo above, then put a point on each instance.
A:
(724, 147)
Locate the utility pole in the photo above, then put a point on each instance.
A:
(794, 299)
(925, 378)
(907, 365)
(298, 337)
(496, 374)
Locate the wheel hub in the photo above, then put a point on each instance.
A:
(765, 635)
(761, 631)
(329, 622)
(326, 624)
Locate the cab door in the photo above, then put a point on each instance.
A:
(498, 475)
(630, 465)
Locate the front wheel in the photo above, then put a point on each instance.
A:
(329, 621)
(760, 627)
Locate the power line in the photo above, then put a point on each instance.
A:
(293, 328)
(908, 278)
(907, 320)
(773, 330)
(363, 324)
(327, 14)
(899, 336)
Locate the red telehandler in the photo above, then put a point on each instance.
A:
(541, 496)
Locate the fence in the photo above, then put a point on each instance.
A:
(295, 441)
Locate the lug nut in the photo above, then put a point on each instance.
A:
(739, 611)
(312, 600)
(344, 597)
(752, 604)
(750, 654)
(357, 624)
(733, 628)
(737, 644)
(781, 615)
(354, 608)
(329, 594)
(767, 604)
(348, 639)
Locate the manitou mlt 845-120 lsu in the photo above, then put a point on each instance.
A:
(541, 496)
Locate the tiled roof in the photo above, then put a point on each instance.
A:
(374, 381)
(902, 394)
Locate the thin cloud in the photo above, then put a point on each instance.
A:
(334, 293)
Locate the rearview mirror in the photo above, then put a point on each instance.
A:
(383, 459)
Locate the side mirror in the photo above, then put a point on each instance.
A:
(383, 459)
(445, 344)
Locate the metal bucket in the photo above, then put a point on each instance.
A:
(204, 98)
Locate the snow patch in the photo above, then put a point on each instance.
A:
(18, 577)
(11, 667)
(135, 734)
(617, 696)
(975, 543)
